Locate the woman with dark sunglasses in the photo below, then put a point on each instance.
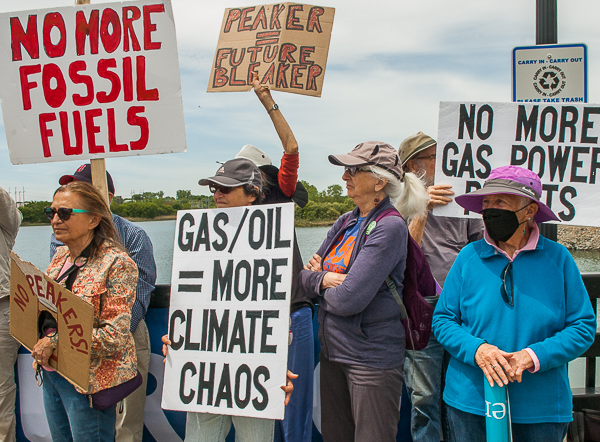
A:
(513, 308)
(93, 265)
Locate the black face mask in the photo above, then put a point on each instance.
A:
(501, 224)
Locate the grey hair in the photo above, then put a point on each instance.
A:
(408, 196)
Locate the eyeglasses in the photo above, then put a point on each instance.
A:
(507, 291)
(353, 169)
(427, 158)
(64, 213)
(223, 190)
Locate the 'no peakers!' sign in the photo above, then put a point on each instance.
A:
(229, 313)
(558, 142)
(90, 81)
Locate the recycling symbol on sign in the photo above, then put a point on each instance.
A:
(549, 80)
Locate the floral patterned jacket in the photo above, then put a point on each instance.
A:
(108, 283)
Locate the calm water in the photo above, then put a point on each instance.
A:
(33, 245)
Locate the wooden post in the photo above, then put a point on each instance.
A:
(98, 165)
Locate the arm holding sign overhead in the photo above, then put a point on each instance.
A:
(288, 172)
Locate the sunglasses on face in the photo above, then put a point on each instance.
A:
(507, 290)
(64, 213)
(223, 190)
(353, 169)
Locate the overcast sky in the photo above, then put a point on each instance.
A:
(390, 64)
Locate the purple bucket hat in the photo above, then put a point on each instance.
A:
(515, 181)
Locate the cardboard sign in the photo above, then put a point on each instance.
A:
(286, 44)
(91, 81)
(31, 293)
(229, 313)
(559, 142)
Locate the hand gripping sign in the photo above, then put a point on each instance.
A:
(34, 294)
(91, 81)
(558, 141)
(286, 44)
(229, 313)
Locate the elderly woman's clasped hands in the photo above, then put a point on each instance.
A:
(502, 367)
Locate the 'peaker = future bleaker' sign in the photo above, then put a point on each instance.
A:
(286, 44)
(229, 312)
(91, 81)
(559, 142)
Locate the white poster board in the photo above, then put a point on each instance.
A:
(91, 81)
(229, 312)
(559, 142)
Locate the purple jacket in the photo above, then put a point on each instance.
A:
(359, 320)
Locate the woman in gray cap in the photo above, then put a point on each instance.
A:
(361, 333)
(513, 308)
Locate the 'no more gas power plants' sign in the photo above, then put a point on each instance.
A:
(559, 142)
(229, 314)
(550, 74)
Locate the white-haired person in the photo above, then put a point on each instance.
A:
(361, 333)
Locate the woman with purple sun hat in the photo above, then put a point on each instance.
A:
(513, 308)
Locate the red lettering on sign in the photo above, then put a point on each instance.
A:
(233, 81)
(254, 50)
(127, 79)
(55, 97)
(46, 133)
(292, 21)
(110, 30)
(21, 298)
(287, 49)
(92, 130)
(252, 70)
(142, 122)
(143, 94)
(28, 39)
(113, 146)
(64, 129)
(220, 78)
(50, 292)
(26, 85)
(128, 31)
(221, 55)
(313, 19)
(314, 71)
(269, 75)
(54, 20)
(270, 57)
(234, 15)
(261, 18)
(233, 61)
(242, 26)
(305, 52)
(297, 74)
(277, 10)
(103, 72)
(150, 27)
(281, 80)
(85, 28)
(77, 78)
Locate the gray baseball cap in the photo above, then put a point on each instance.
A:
(234, 173)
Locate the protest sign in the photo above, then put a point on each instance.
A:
(559, 142)
(31, 293)
(286, 44)
(90, 81)
(229, 311)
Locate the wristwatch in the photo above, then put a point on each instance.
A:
(275, 107)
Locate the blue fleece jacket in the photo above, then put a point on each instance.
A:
(359, 320)
(551, 314)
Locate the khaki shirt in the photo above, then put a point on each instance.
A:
(10, 219)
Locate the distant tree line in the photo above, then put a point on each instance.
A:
(326, 205)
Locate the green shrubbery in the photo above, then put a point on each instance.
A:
(326, 205)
